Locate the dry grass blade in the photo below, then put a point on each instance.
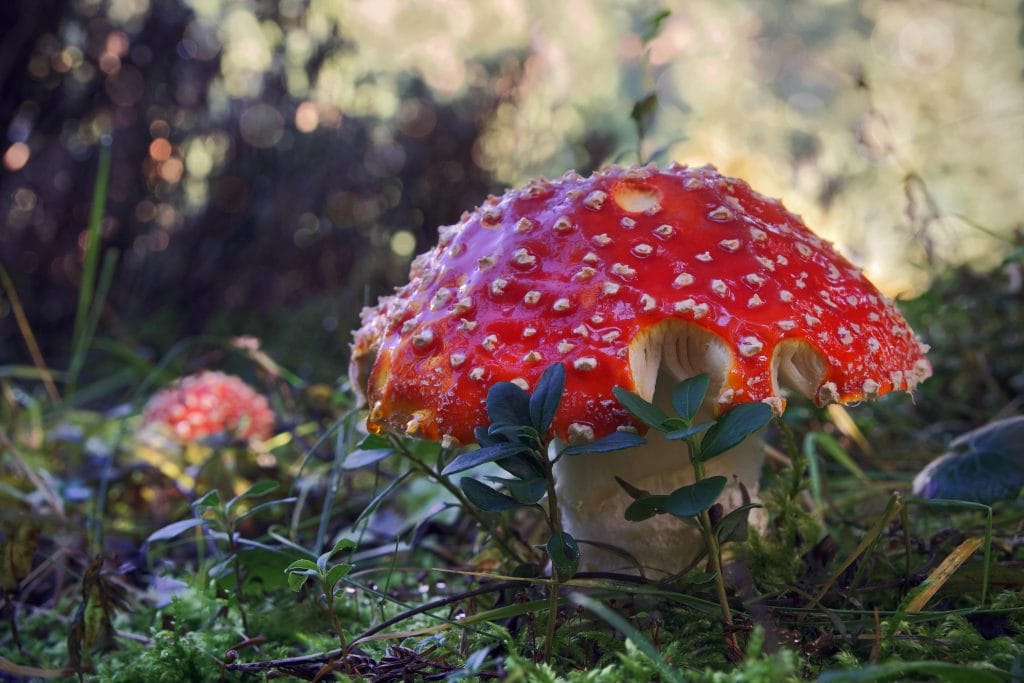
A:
(937, 579)
(9, 667)
(30, 338)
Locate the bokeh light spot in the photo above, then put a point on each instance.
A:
(160, 149)
(306, 117)
(16, 156)
(403, 243)
(261, 126)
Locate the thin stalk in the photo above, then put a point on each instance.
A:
(329, 596)
(714, 557)
(26, 334)
(555, 522)
(237, 565)
(796, 458)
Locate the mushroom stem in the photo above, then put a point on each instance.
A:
(593, 503)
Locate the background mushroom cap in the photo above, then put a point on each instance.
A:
(573, 270)
(207, 403)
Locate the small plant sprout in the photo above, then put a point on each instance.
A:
(517, 441)
(221, 522)
(328, 577)
(704, 441)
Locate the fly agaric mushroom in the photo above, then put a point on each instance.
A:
(638, 278)
(208, 403)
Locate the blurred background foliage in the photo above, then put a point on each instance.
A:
(276, 165)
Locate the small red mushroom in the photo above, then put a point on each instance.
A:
(209, 403)
(628, 276)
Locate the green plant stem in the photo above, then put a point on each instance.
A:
(714, 557)
(796, 457)
(237, 566)
(555, 522)
(329, 596)
(430, 473)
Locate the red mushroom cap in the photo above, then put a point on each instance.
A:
(575, 270)
(208, 403)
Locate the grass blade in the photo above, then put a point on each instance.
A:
(92, 250)
(614, 620)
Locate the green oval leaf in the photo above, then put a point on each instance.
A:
(296, 580)
(564, 554)
(616, 441)
(641, 409)
(469, 460)
(172, 530)
(688, 395)
(694, 499)
(486, 498)
(522, 465)
(526, 492)
(336, 573)
(734, 526)
(546, 398)
(646, 507)
(680, 434)
(365, 457)
(508, 404)
(733, 427)
(302, 565)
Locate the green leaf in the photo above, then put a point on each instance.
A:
(688, 395)
(733, 427)
(210, 499)
(336, 573)
(296, 580)
(643, 410)
(686, 433)
(653, 25)
(646, 507)
(364, 458)
(486, 498)
(222, 568)
(564, 554)
(527, 491)
(301, 565)
(633, 491)
(172, 530)
(546, 397)
(466, 461)
(616, 441)
(514, 433)
(263, 506)
(260, 488)
(643, 113)
(522, 465)
(508, 404)
(733, 527)
(694, 499)
(342, 545)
